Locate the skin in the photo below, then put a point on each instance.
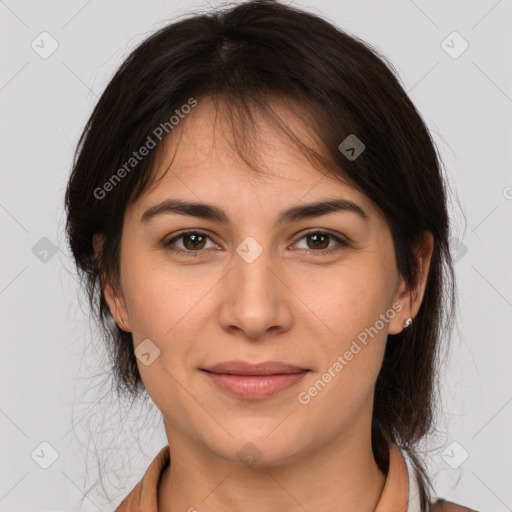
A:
(291, 304)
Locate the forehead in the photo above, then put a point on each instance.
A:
(203, 157)
(219, 136)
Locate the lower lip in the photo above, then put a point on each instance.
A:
(254, 387)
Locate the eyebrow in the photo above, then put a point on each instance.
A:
(214, 213)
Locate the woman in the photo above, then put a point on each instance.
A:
(264, 212)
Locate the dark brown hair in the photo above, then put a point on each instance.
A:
(244, 56)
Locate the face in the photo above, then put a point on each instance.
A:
(316, 290)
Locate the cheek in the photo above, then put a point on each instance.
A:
(167, 309)
(344, 302)
(350, 339)
(351, 344)
(170, 308)
(160, 298)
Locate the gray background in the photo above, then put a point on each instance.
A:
(50, 365)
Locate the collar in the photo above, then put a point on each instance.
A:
(400, 492)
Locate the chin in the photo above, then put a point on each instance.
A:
(258, 443)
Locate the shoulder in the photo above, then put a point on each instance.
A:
(447, 506)
(144, 496)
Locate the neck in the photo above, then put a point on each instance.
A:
(340, 476)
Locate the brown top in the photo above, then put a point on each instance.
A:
(395, 495)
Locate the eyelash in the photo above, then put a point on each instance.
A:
(199, 253)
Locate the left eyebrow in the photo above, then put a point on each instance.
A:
(292, 214)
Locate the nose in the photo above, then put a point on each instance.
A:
(256, 298)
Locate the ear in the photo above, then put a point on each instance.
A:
(411, 298)
(113, 296)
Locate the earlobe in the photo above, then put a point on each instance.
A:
(117, 308)
(411, 299)
(114, 300)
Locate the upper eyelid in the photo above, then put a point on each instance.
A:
(189, 232)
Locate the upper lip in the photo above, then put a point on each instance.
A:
(244, 368)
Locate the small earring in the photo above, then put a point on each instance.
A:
(407, 323)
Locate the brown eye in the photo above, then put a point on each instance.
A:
(194, 241)
(191, 243)
(318, 241)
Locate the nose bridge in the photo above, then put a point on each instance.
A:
(252, 274)
(255, 301)
(252, 267)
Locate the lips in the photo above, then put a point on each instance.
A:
(254, 381)
(265, 368)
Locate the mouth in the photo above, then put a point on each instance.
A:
(254, 381)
